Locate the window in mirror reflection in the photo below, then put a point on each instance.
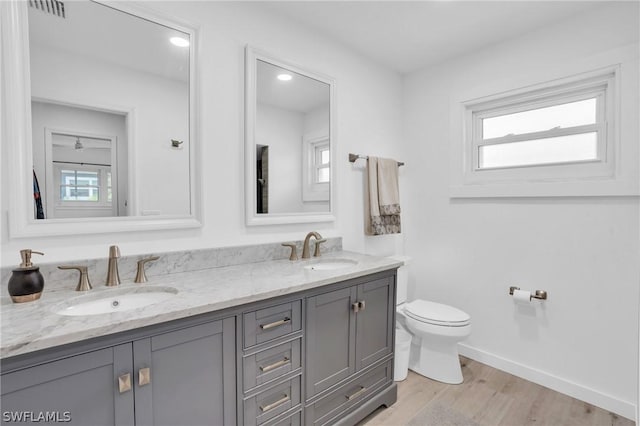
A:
(292, 121)
(81, 170)
(322, 163)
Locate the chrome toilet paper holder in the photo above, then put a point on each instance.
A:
(539, 294)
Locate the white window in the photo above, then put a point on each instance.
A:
(81, 186)
(554, 132)
(316, 168)
(322, 163)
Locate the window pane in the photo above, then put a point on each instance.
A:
(323, 175)
(324, 156)
(540, 151)
(87, 178)
(109, 193)
(67, 177)
(565, 115)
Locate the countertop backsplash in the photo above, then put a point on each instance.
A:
(169, 263)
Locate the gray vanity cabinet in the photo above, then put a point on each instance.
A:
(78, 390)
(185, 377)
(330, 338)
(316, 357)
(347, 330)
(181, 377)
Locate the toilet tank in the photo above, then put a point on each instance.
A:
(403, 278)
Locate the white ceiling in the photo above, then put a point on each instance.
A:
(301, 94)
(408, 35)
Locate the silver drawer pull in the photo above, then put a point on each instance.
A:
(284, 321)
(357, 394)
(285, 398)
(275, 365)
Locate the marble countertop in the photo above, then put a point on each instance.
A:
(33, 326)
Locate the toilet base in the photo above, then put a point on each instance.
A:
(436, 361)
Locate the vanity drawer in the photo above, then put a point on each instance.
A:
(266, 324)
(294, 419)
(269, 364)
(325, 410)
(272, 402)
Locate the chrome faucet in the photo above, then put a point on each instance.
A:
(305, 247)
(113, 277)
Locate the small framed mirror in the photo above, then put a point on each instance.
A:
(290, 143)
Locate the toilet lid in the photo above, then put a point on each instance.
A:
(436, 313)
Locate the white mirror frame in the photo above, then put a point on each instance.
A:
(252, 55)
(16, 135)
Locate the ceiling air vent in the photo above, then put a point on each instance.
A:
(54, 7)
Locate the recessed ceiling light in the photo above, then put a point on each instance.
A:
(284, 77)
(179, 41)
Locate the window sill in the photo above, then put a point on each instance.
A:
(591, 188)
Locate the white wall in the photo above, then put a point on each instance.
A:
(281, 130)
(368, 120)
(584, 251)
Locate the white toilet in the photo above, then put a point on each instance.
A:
(436, 330)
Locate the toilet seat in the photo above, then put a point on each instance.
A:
(436, 314)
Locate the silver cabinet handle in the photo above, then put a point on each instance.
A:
(358, 306)
(124, 383)
(144, 376)
(275, 365)
(284, 321)
(356, 394)
(285, 398)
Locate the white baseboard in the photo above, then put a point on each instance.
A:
(574, 390)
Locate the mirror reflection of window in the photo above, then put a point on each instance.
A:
(322, 164)
(80, 175)
(293, 119)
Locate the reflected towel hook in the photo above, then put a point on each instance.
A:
(176, 143)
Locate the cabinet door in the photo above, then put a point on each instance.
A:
(79, 390)
(330, 339)
(374, 323)
(190, 376)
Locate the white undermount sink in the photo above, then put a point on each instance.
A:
(117, 300)
(331, 264)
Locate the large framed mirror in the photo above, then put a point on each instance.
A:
(289, 142)
(100, 118)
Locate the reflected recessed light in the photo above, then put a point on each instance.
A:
(179, 41)
(284, 77)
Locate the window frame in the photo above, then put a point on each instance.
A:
(318, 148)
(312, 190)
(101, 203)
(599, 127)
(601, 84)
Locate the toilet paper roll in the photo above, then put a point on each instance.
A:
(522, 297)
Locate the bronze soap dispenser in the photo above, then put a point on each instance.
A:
(26, 282)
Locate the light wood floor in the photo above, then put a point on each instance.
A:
(492, 397)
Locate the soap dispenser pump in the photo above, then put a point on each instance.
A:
(26, 282)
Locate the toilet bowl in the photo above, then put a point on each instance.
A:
(436, 328)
